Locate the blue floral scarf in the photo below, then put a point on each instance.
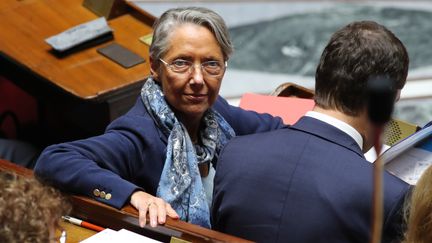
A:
(180, 183)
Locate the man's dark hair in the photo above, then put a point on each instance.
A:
(354, 54)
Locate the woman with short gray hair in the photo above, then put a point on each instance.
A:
(161, 155)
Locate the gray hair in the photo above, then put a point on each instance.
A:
(173, 18)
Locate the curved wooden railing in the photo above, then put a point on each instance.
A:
(127, 218)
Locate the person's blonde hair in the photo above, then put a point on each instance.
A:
(418, 211)
(28, 209)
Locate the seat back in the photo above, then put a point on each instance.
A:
(397, 130)
(293, 90)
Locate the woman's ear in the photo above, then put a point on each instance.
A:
(154, 66)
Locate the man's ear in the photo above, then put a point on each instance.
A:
(154, 66)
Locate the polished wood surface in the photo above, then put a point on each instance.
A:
(78, 94)
(127, 218)
(85, 74)
(74, 233)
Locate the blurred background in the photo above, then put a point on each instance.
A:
(281, 41)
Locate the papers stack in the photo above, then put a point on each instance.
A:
(79, 34)
(410, 157)
(121, 236)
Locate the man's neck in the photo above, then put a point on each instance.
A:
(359, 123)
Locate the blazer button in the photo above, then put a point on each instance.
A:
(102, 194)
(96, 192)
(108, 196)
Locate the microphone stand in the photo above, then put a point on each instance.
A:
(377, 198)
(381, 98)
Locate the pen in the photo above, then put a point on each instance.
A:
(82, 223)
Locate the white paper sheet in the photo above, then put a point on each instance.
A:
(121, 236)
(410, 157)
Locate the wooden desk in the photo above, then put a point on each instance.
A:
(127, 218)
(85, 89)
(75, 233)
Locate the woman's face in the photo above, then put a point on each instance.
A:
(190, 93)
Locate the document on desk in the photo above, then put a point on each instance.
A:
(79, 34)
(410, 157)
(121, 236)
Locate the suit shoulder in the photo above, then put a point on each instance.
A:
(263, 136)
(253, 143)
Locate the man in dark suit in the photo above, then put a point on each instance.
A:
(310, 182)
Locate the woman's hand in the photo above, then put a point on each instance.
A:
(158, 209)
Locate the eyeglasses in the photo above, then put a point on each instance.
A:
(212, 68)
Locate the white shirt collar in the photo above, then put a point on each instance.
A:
(343, 126)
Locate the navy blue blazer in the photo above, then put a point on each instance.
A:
(306, 183)
(129, 155)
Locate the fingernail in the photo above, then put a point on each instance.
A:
(153, 223)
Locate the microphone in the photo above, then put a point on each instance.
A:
(380, 103)
(381, 98)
